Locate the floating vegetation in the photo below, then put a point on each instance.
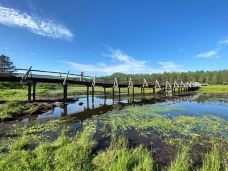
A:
(135, 138)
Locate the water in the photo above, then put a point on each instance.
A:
(160, 126)
(203, 104)
(197, 104)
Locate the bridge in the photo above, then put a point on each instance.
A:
(31, 77)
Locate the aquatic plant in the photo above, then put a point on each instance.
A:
(35, 151)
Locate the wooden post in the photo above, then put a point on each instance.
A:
(113, 92)
(87, 92)
(104, 92)
(133, 91)
(87, 97)
(154, 90)
(34, 92)
(29, 91)
(113, 95)
(92, 97)
(65, 92)
(64, 110)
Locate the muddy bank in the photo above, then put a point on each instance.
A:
(14, 110)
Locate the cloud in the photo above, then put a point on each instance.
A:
(35, 24)
(181, 50)
(209, 54)
(121, 62)
(223, 42)
(169, 66)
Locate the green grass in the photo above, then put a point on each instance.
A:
(120, 157)
(77, 154)
(31, 148)
(212, 160)
(214, 89)
(12, 109)
(62, 154)
(181, 163)
(46, 91)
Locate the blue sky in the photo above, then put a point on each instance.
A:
(106, 36)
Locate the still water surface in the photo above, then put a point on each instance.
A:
(197, 105)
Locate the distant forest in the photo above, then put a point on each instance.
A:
(210, 77)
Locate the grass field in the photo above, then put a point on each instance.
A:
(45, 91)
(214, 89)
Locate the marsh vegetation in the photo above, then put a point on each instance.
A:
(166, 136)
(134, 138)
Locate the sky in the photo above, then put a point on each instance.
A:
(101, 37)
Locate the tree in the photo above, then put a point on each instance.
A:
(6, 65)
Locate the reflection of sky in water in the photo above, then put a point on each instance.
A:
(197, 105)
(211, 106)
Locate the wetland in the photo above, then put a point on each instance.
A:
(182, 132)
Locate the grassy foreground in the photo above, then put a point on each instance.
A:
(76, 154)
(36, 148)
(214, 89)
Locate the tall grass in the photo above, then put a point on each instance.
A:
(181, 163)
(120, 157)
(62, 154)
(212, 160)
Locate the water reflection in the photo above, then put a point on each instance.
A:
(88, 106)
(202, 104)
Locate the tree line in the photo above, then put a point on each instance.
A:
(210, 77)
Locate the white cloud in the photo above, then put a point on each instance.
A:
(223, 42)
(169, 66)
(181, 50)
(121, 62)
(35, 24)
(209, 54)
